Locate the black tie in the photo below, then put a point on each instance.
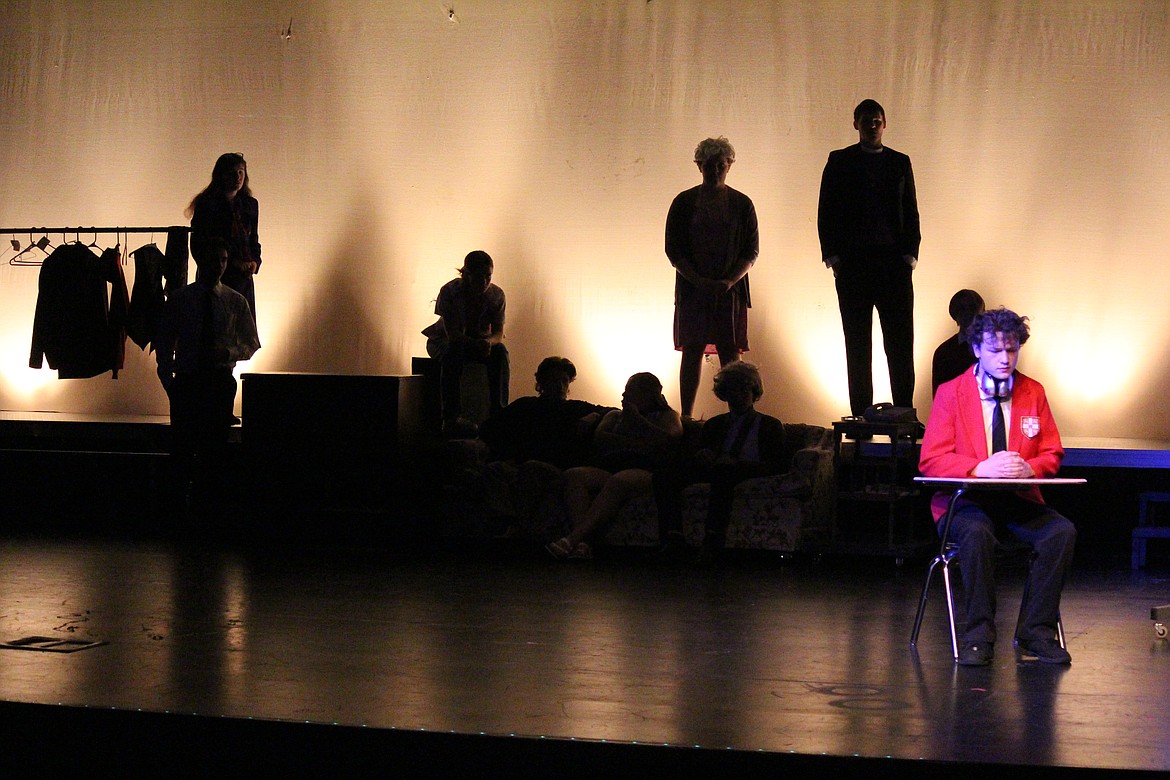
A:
(745, 426)
(998, 431)
(207, 355)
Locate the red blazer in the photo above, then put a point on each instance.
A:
(956, 441)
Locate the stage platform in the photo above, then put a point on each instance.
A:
(303, 458)
(491, 661)
(1089, 452)
(364, 644)
(44, 430)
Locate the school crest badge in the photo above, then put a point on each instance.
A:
(1030, 426)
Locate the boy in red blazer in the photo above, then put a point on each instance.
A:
(994, 422)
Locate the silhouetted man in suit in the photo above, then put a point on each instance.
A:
(868, 225)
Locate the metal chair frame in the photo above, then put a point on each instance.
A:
(947, 550)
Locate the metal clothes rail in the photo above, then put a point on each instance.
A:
(44, 245)
(14, 231)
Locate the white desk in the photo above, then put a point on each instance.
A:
(961, 485)
(1000, 484)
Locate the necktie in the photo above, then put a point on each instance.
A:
(745, 426)
(998, 430)
(207, 359)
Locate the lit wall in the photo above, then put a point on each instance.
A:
(387, 139)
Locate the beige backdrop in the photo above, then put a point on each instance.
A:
(387, 139)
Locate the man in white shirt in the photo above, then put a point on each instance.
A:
(205, 328)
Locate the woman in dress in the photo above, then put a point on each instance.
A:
(712, 240)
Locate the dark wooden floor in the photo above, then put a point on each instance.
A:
(758, 659)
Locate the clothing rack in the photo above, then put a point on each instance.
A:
(64, 231)
(14, 231)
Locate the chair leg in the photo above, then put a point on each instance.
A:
(1138, 555)
(951, 609)
(922, 601)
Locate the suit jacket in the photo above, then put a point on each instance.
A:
(856, 194)
(77, 327)
(771, 436)
(956, 440)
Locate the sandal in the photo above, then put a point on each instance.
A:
(559, 549)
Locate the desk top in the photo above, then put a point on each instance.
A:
(992, 484)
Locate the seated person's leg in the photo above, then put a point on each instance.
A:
(450, 373)
(499, 375)
(582, 484)
(668, 485)
(724, 477)
(1053, 537)
(618, 489)
(974, 532)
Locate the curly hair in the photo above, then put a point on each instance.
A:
(714, 147)
(742, 373)
(1001, 320)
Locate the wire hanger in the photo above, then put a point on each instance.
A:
(41, 243)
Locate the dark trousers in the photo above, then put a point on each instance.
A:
(201, 416)
(669, 484)
(455, 355)
(1050, 535)
(882, 281)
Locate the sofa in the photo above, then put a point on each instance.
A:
(788, 512)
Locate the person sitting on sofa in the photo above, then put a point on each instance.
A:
(735, 446)
(630, 443)
(547, 427)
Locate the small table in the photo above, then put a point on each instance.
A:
(878, 475)
(961, 485)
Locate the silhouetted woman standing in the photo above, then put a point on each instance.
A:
(226, 210)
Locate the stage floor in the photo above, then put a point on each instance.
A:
(757, 655)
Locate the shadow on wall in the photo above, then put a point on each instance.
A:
(342, 326)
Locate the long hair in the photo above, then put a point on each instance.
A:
(226, 162)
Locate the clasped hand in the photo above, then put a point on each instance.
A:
(1004, 465)
(714, 287)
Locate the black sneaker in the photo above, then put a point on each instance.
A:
(976, 653)
(1046, 651)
